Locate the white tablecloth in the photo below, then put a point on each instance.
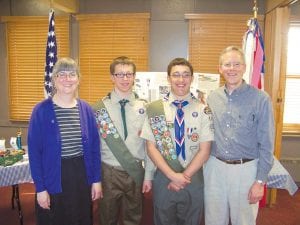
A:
(17, 173)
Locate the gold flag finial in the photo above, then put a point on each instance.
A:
(255, 9)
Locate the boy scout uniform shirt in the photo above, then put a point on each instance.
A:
(198, 125)
(135, 117)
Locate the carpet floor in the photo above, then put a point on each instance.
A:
(286, 211)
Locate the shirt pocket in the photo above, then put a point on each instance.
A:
(137, 119)
(194, 149)
(246, 124)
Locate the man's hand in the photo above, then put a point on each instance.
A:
(256, 192)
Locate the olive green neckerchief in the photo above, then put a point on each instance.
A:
(115, 143)
(164, 142)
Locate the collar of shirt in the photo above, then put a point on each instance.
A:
(170, 98)
(115, 98)
(238, 91)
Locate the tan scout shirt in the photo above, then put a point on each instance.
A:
(198, 126)
(135, 117)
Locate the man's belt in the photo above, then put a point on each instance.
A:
(235, 161)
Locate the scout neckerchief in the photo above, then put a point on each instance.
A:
(115, 143)
(179, 127)
(162, 135)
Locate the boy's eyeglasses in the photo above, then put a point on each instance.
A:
(183, 75)
(122, 75)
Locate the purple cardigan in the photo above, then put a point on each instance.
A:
(44, 146)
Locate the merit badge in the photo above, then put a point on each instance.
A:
(195, 114)
(162, 136)
(194, 137)
(105, 124)
(170, 125)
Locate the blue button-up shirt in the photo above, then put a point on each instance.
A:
(244, 126)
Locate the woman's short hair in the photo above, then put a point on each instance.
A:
(65, 64)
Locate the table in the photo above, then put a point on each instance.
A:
(280, 178)
(14, 175)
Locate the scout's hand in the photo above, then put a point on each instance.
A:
(147, 186)
(180, 180)
(173, 187)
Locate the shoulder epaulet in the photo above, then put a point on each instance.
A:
(136, 96)
(193, 96)
(106, 97)
(143, 100)
(153, 103)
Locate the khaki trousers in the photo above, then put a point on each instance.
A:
(226, 192)
(122, 198)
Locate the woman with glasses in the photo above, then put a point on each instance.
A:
(63, 146)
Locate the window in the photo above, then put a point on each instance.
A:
(209, 34)
(291, 116)
(26, 46)
(101, 39)
(104, 37)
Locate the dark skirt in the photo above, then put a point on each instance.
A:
(74, 205)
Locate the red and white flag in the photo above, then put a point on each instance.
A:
(253, 47)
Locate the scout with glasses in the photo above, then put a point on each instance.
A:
(120, 116)
(178, 133)
(242, 153)
(63, 147)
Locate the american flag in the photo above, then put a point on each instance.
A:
(253, 46)
(51, 55)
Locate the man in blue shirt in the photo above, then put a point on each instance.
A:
(242, 153)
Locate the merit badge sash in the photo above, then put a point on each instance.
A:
(162, 135)
(115, 143)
